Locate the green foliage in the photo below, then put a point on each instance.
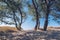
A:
(8, 7)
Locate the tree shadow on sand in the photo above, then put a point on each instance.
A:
(37, 35)
(5, 35)
(31, 35)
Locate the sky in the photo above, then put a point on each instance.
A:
(29, 24)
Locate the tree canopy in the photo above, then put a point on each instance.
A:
(12, 11)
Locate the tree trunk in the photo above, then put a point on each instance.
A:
(37, 16)
(46, 22)
(37, 24)
(15, 20)
(37, 21)
(47, 15)
(20, 23)
(20, 26)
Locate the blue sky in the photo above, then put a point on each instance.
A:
(29, 24)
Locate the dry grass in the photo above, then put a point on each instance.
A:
(54, 28)
(6, 28)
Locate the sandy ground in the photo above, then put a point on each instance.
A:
(30, 35)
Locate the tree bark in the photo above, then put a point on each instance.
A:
(20, 23)
(37, 24)
(37, 16)
(47, 15)
(46, 22)
(15, 20)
